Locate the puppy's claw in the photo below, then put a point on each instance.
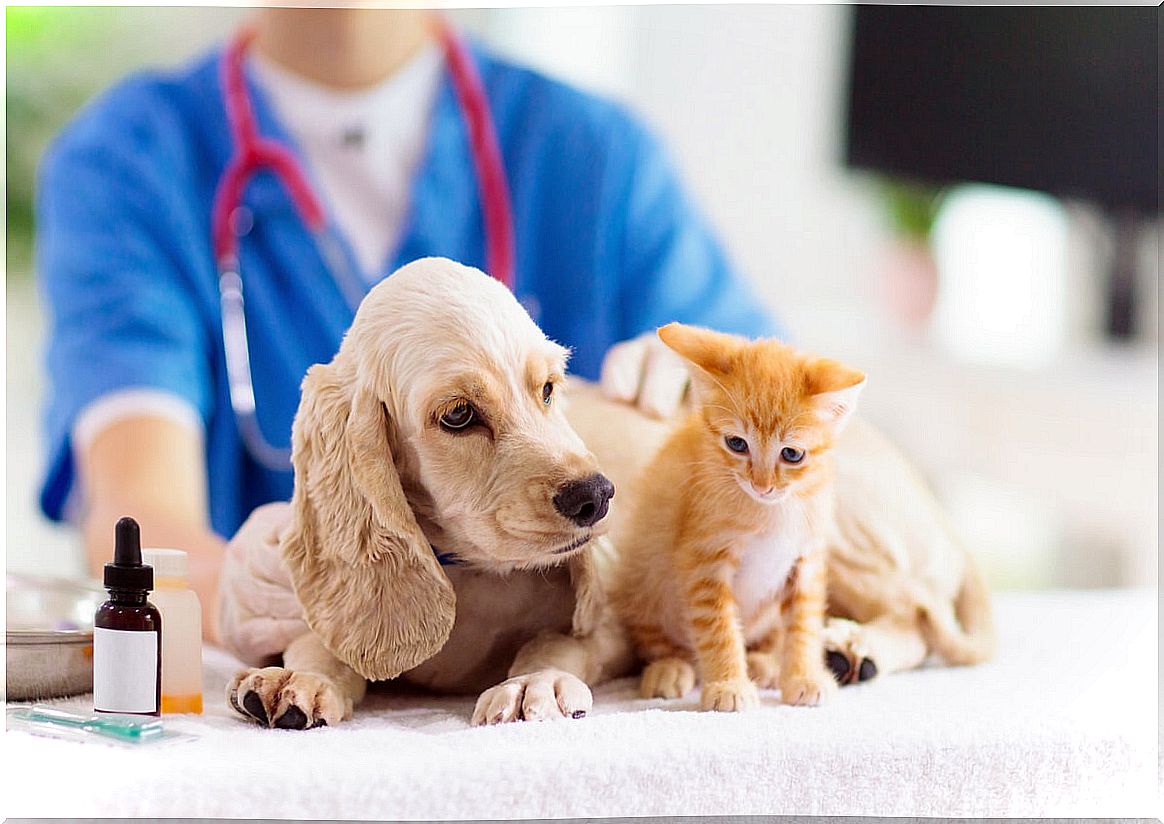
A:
(278, 697)
(542, 695)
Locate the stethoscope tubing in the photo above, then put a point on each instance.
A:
(253, 152)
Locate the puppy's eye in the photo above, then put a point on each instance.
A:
(792, 455)
(736, 444)
(548, 393)
(459, 417)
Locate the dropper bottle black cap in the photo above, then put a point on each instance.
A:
(127, 572)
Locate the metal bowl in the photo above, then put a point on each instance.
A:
(49, 636)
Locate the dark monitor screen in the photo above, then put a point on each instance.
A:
(1061, 99)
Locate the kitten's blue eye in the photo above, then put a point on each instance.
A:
(792, 455)
(736, 444)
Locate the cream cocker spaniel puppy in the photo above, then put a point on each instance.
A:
(447, 524)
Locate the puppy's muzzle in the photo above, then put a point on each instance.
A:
(585, 501)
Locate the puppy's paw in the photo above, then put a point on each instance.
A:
(278, 697)
(729, 696)
(764, 669)
(667, 678)
(846, 653)
(808, 689)
(537, 696)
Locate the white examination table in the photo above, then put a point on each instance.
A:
(1063, 723)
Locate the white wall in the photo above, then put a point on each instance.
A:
(749, 101)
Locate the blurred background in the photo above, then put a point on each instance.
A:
(933, 195)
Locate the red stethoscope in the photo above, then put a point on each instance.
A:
(253, 153)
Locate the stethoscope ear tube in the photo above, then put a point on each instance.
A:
(496, 208)
(238, 372)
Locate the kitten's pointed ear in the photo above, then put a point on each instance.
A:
(710, 351)
(834, 389)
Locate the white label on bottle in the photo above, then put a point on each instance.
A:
(125, 671)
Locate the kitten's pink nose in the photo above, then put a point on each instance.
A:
(765, 492)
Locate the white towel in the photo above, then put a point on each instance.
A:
(1062, 723)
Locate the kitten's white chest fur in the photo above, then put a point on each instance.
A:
(766, 559)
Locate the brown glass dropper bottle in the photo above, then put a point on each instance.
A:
(127, 642)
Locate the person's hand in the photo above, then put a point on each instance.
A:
(258, 612)
(643, 371)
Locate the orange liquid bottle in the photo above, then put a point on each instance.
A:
(181, 631)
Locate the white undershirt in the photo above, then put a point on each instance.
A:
(361, 149)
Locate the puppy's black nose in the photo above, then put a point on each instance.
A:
(585, 501)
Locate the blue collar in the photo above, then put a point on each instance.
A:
(446, 558)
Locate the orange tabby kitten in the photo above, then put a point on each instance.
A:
(723, 561)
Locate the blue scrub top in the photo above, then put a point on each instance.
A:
(607, 245)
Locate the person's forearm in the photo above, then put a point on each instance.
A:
(152, 469)
(204, 548)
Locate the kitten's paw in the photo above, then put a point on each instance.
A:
(729, 696)
(846, 654)
(667, 678)
(764, 669)
(808, 689)
(537, 696)
(278, 697)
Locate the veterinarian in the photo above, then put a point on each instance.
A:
(292, 169)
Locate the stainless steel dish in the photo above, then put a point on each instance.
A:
(49, 636)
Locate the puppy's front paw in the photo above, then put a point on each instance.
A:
(667, 678)
(729, 696)
(808, 689)
(278, 697)
(764, 669)
(534, 697)
(846, 654)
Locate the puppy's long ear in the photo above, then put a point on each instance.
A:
(370, 586)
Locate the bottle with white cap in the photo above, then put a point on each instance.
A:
(181, 630)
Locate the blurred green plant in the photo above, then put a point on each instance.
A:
(51, 57)
(912, 208)
(58, 57)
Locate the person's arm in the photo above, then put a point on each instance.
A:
(154, 470)
(674, 268)
(120, 263)
(118, 278)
